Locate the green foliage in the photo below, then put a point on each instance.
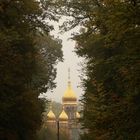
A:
(110, 44)
(27, 66)
(49, 55)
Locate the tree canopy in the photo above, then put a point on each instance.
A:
(28, 55)
(109, 42)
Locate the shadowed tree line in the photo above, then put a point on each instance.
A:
(28, 55)
(109, 40)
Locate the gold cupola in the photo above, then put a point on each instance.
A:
(78, 115)
(63, 117)
(69, 96)
(51, 116)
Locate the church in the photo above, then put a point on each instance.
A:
(68, 121)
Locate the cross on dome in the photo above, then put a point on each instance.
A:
(69, 82)
(69, 96)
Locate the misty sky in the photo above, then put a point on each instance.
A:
(70, 60)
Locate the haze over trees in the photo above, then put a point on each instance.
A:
(28, 55)
(109, 41)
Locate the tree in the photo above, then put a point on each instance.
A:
(110, 44)
(27, 66)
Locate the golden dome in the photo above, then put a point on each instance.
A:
(78, 115)
(51, 115)
(63, 116)
(69, 93)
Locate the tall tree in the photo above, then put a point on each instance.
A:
(27, 66)
(110, 43)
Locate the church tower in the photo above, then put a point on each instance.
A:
(67, 122)
(69, 101)
(63, 118)
(63, 125)
(51, 118)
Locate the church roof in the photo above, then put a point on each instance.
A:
(63, 116)
(51, 115)
(69, 93)
(78, 115)
(69, 96)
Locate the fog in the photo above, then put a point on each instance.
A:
(71, 60)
